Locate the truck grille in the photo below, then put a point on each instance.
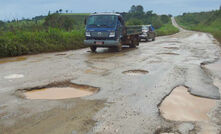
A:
(100, 34)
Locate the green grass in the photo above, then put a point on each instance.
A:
(205, 22)
(32, 42)
(167, 29)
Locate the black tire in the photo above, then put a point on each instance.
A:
(134, 43)
(137, 42)
(119, 47)
(93, 48)
(153, 39)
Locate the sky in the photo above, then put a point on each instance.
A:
(13, 9)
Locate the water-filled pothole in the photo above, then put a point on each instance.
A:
(180, 105)
(135, 72)
(59, 91)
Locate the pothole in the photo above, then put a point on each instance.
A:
(59, 91)
(169, 53)
(175, 48)
(180, 105)
(135, 72)
(164, 131)
(60, 54)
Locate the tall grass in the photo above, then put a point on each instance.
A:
(31, 42)
(167, 29)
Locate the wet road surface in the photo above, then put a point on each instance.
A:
(132, 84)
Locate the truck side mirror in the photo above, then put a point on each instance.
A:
(121, 20)
(85, 21)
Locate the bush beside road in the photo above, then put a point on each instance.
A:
(167, 29)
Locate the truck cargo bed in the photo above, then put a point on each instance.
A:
(131, 30)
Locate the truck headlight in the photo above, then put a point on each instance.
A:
(112, 34)
(88, 34)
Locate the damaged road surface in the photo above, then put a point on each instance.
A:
(108, 92)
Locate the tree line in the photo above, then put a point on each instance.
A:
(137, 16)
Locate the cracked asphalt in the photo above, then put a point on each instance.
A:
(125, 104)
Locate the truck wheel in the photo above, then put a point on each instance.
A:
(137, 42)
(119, 48)
(153, 39)
(93, 48)
(133, 44)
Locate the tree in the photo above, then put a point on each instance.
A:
(139, 9)
(132, 9)
(2, 24)
(136, 9)
(164, 18)
(60, 10)
(59, 21)
(149, 13)
(49, 12)
(66, 11)
(134, 21)
(157, 23)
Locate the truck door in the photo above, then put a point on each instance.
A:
(119, 28)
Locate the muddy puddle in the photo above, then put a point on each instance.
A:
(168, 53)
(7, 60)
(55, 93)
(180, 105)
(135, 72)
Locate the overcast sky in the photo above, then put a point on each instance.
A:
(10, 9)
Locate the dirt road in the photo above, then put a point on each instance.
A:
(132, 84)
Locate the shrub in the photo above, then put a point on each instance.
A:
(59, 21)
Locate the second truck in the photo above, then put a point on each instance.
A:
(109, 30)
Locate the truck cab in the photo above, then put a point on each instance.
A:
(105, 30)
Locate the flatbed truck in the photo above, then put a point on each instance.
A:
(109, 30)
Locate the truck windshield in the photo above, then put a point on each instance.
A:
(107, 21)
(144, 27)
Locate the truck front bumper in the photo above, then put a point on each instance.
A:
(143, 36)
(102, 43)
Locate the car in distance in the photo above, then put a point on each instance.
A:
(148, 33)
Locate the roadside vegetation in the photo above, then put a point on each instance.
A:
(203, 21)
(167, 29)
(53, 33)
(162, 23)
(61, 31)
